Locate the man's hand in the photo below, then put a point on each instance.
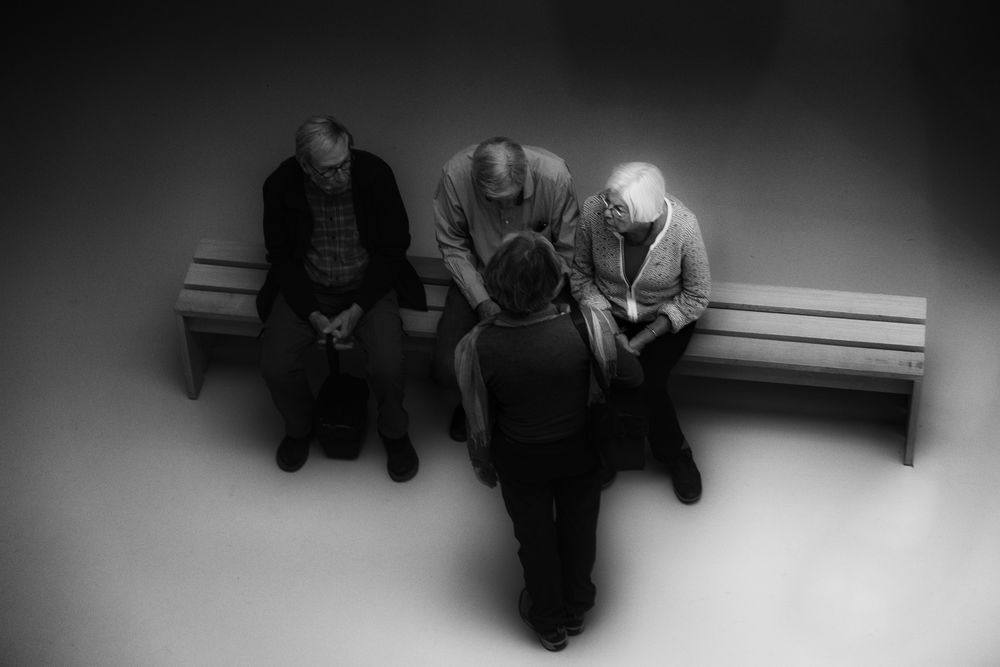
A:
(324, 325)
(488, 309)
(485, 473)
(343, 323)
(319, 322)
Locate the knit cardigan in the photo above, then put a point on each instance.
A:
(674, 279)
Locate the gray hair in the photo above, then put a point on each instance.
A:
(641, 186)
(319, 133)
(499, 167)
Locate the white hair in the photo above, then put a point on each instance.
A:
(641, 186)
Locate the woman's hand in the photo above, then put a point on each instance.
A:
(625, 343)
(639, 341)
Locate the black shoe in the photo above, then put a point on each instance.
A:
(554, 640)
(457, 428)
(292, 453)
(574, 626)
(402, 462)
(685, 476)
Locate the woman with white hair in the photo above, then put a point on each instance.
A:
(640, 256)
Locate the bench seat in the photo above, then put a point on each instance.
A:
(825, 338)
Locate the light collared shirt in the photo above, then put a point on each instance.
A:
(469, 228)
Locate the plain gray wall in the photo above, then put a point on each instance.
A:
(134, 118)
(132, 131)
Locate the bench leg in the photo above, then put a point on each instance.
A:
(194, 357)
(911, 425)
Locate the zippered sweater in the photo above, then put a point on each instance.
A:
(674, 279)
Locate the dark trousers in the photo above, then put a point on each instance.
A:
(457, 319)
(555, 523)
(658, 360)
(287, 337)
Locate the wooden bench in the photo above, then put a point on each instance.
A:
(823, 338)
(219, 294)
(869, 342)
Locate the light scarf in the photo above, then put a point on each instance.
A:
(475, 399)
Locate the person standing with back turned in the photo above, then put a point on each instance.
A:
(525, 377)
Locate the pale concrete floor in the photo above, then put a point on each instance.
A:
(144, 528)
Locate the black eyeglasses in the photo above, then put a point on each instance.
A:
(616, 210)
(340, 169)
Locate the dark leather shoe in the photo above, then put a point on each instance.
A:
(552, 640)
(457, 429)
(292, 453)
(685, 477)
(402, 462)
(575, 625)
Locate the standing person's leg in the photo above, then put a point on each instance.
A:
(666, 439)
(457, 319)
(530, 506)
(380, 333)
(578, 502)
(284, 341)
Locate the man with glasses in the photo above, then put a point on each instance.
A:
(486, 192)
(336, 233)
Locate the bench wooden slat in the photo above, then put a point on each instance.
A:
(251, 255)
(218, 278)
(832, 303)
(809, 357)
(797, 377)
(811, 329)
(231, 306)
(242, 280)
(768, 298)
(431, 270)
(203, 304)
(436, 295)
(230, 253)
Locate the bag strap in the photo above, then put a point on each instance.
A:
(332, 358)
(581, 327)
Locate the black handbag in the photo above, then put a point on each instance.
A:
(341, 410)
(619, 425)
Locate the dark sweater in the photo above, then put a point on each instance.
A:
(382, 226)
(538, 379)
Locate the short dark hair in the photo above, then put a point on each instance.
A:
(524, 273)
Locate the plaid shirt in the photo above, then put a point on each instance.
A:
(336, 258)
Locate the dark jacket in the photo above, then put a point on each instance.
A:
(382, 225)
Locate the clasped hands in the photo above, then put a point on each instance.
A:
(341, 326)
(642, 337)
(635, 344)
